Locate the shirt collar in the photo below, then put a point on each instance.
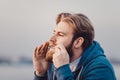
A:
(73, 65)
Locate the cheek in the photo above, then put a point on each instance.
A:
(66, 41)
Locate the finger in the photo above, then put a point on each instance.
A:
(46, 46)
(45, 49)
(62, 47)
(40, 48)
(59, 46)
(35, 51)
(57, 50)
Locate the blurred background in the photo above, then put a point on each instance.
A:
(25, 24)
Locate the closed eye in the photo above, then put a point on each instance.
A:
(58, 33)
(61, 34)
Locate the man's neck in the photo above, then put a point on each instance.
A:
(76, 55)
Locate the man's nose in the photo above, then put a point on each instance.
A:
(53, 39)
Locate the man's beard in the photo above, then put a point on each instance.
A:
(69, 49)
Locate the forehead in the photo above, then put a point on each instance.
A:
(64, 27)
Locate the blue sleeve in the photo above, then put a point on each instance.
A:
(64, 73)
(39, 77)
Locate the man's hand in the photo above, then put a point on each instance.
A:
(39, 62)
(61, 56)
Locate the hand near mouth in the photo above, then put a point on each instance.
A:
(39, 60)
(49, 54)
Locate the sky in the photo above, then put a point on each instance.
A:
(25, 24)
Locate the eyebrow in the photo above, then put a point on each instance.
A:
(59, 32)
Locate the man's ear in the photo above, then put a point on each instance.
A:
(78, 42)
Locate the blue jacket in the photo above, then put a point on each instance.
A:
(93, 65)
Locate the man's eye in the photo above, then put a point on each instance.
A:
(61, 34)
